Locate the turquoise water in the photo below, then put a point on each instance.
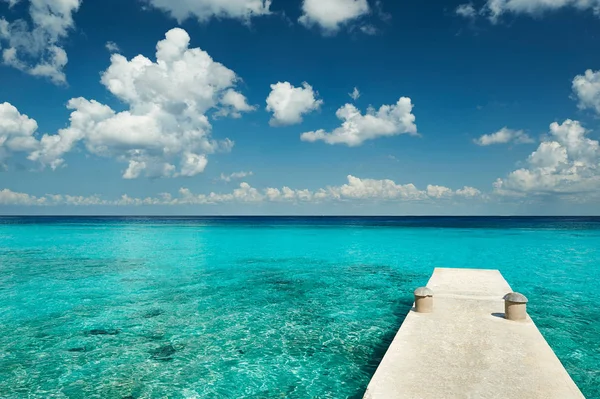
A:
(262, 307)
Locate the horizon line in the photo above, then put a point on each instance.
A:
(299, 216)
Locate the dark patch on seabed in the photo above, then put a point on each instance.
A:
(278, 261)
(79, 349)
(154, 336)
(164, 353)
(102, 331)
(153, 313)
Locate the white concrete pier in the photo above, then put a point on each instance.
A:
(466, 349)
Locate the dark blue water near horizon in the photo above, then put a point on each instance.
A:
(262, 307)
(379, 221)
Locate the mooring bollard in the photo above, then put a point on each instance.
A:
(423, 300)
(515, 306)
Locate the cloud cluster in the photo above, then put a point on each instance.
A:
(16, 131)
(8, 197)
(586, 88)
(37, 49)
(288, 103)
(165, 130)
(203, 10)
(388, 120)
(567, 163)
(356, 189)
(503, 136)
(495, 9)
(12, 198)
(328, 15)
(331, 15)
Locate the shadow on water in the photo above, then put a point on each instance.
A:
(403, 306)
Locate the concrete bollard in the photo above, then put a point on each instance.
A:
(423, 300)
(515, 306)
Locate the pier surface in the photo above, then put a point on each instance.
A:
(466, 349)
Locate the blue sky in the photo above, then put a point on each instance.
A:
(488, 107)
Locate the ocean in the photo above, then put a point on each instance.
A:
(262, 307)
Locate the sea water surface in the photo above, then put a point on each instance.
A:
(262, 307)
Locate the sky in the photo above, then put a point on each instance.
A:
(308, 107)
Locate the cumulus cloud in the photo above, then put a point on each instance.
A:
(567, 163)
(233, 104)
(355, 95)
(386, 189)
(37, 49)
(166, 120)
(586, 88)
(12, 198)
(468, 192)
(16, 131)
(204, 10)
(8, 197)
(439, 191)
(235, 176)
(330, 15)
(356, 189)
(112, 47)
(389, 120)
(503, 136)
(288, 103)
(494, 9)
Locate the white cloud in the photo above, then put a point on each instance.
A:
(235, 176)
(16, 131)
(389, 120)
(587, 89)
(503, 136)
(37, 49)
(330, 15)
(204, 10)
(567, 162)
(439, 191)
(12, 198)
(134, 170)
(355, 95)
(466, 10)
(289, 103)
(192, 164)
(494, 9)
(468, 192)
(8, 197)
(233, 104)
(166, 120)
(356, 189)
(112, 47)
(78, 200)
(288, 194)
(369, 190)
